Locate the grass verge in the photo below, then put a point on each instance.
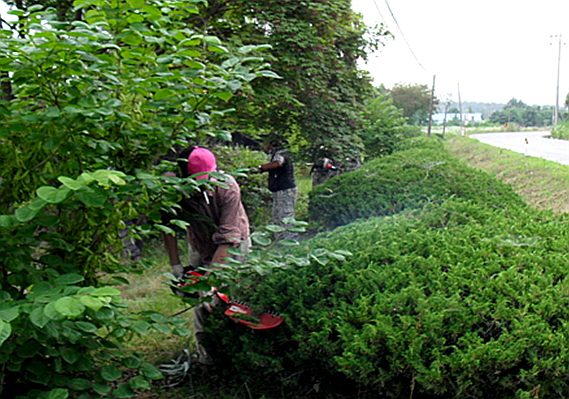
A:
(542, 183)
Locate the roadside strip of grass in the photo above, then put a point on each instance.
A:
(543, 184)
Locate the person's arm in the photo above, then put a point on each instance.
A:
(171, 246)
(221, 253)
(271, 165)
(277, 160)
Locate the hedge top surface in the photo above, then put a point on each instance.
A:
(404, 180)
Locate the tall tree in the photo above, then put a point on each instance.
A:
(414, 100)
(384, 127)
(316, 47)
(92, 105)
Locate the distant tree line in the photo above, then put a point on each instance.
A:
(516, 112)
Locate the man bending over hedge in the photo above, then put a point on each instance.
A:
(217, 222)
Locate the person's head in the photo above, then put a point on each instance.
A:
(272, 141)
(196, 159)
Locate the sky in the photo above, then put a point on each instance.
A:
(483, 51)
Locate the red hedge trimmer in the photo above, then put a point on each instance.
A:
(236, 310)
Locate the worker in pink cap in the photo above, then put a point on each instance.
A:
(218, 222)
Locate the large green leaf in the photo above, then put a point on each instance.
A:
(106, 291)
(70, 183)
(4, 111)
(261, 240)
(39, 318)
(119, 181)
(86, 326)
(25, 214)
(80, 384)
(149, 371)
(140, 327)
(268, 74)
(68, 279)
(163, 94)
(5, 331)
(57, 393)
(139, 383)
(224, 95)
(9, 313)
(110, 373)
(69, 306)
(91, 302)
(7, 221)
(37, 204)
(91, 197)
(70, 355)
(124, 390)
(248, 49)
(53, 195)
(50, 312)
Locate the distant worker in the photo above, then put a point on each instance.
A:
(322, 170)
(281, 183)
(351, 163)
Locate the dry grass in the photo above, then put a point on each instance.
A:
(149, 291)
(543, 184)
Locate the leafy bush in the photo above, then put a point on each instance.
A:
(92, 107)
(61, 327)
(422, 174)
(385, 127)
(560, 131)
(456, 300)
(384, 123)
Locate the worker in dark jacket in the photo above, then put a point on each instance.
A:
(282, 184)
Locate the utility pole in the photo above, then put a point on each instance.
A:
(462, 129)
(556, 110)
(447, 104)
(431, 107)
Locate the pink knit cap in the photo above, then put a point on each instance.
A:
(201, 160)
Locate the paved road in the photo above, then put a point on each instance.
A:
(533, 144)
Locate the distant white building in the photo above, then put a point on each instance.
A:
(467, 118)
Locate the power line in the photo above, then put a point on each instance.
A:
(403, 35)
(379, 12)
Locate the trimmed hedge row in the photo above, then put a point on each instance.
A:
(420, 175)
(458, 299)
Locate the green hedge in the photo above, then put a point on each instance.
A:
(455, 300)
(417, 176)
